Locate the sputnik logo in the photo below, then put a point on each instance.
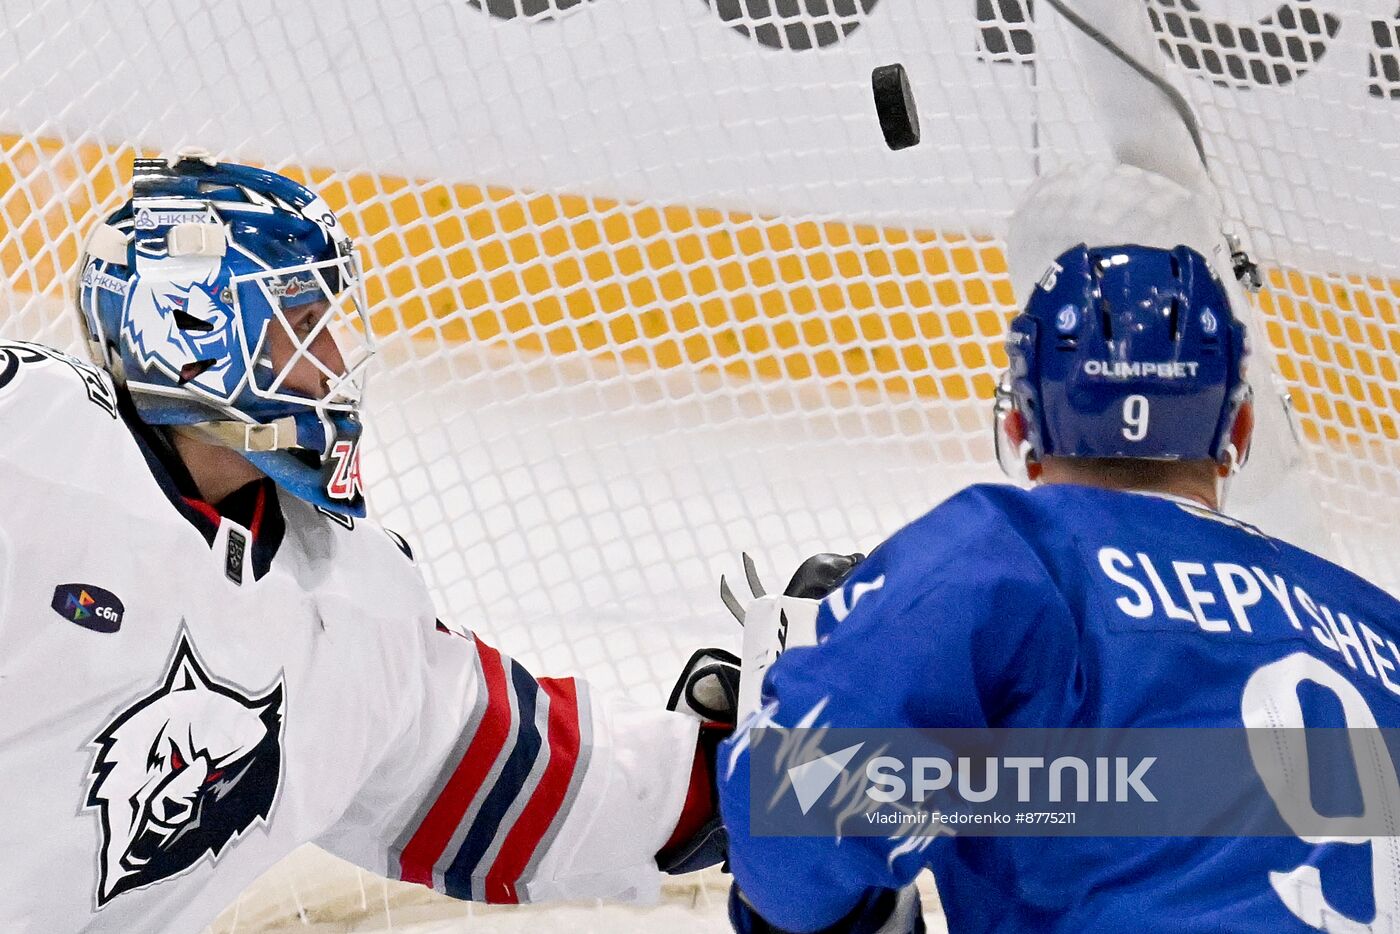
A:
(810, 779)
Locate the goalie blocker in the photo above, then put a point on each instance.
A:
(772, 624)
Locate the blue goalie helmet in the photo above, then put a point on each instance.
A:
(1125, 352)
(228, 300)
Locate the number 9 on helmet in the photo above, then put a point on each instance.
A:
(228, 301)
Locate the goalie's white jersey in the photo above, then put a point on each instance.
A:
(184, 700)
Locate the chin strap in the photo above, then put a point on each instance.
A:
(276, 435)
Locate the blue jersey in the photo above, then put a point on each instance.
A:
(1074, 607)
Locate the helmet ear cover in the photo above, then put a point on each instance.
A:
(1010, 433)
(1235, 453)
(1125, 352)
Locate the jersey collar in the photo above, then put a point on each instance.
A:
(1199, 509)
(254, 506)
(1179, 500)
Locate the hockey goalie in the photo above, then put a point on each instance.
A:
(209, 657)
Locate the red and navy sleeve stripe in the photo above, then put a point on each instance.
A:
(505, 789)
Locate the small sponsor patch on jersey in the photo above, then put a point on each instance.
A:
(233, 561)
(88, 606)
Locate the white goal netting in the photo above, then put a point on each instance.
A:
(652, 291)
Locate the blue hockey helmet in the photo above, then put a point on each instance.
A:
(228, 300)
(1125, 352)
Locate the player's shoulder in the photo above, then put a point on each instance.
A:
(982, 517)
(56, 414)
(37, 381)
(364, 535)
(388, 545)
(975, 538)
(957, 568)
(370, 556)
(1342, 585)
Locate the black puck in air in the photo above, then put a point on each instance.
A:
(894, 103)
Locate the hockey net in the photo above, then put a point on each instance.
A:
(651, 291)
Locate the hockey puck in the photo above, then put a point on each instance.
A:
(894, 104)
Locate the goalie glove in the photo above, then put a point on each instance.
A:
(772, 624)
(711, 690)
(708, 689)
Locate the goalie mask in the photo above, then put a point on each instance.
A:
(229, 302)
(1125, 352)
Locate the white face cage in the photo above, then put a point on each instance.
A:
(316, 347)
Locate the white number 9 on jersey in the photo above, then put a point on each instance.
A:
(1135, 418)
(1274, 716)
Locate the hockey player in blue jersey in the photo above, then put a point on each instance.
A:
(1112, 594)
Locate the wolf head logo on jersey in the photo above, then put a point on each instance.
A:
(181, 773)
